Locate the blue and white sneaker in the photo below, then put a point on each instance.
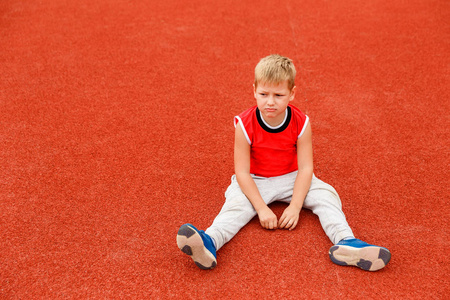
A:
(198, 245)
(354, 252)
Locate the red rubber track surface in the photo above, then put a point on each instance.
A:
(116, 127)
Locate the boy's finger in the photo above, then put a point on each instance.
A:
(294, 225)
(274, 224)
(287, 223)
(264, 225)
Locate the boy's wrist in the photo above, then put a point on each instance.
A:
(296, 206)
(261, 207)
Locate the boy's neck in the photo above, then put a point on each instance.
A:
(274, 124)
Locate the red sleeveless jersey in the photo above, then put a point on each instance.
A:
(273, 150)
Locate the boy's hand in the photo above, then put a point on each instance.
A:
(267, 218)
(289, 218)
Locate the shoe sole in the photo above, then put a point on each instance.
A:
(190, 242)
(370, 258)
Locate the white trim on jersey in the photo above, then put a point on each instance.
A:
(304, 127)
(243, 128)
(274, 127)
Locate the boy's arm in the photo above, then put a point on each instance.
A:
(266, 216)
(291, 214)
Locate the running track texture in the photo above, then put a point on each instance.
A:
(116, 127)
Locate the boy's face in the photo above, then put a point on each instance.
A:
(272, 100)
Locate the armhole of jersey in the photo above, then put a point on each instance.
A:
(237, 120)
(304, 127)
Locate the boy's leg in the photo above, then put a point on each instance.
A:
(235, 214)
(323, 200)
(238, 210)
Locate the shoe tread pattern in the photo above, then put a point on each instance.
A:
(190, 243)
(371, 258)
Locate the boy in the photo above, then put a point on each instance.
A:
(273, 162)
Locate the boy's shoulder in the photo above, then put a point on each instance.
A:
(297, 113)
(246, 116)
(295, 108)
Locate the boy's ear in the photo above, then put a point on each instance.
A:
(254, 90)
(294, 89)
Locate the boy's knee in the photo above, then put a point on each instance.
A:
(238, 203)
(322, 197)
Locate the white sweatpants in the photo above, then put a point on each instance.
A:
(322, 199)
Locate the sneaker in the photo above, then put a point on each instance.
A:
(198, 245)
(354, 252)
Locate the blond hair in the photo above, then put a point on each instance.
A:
(275, 69)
